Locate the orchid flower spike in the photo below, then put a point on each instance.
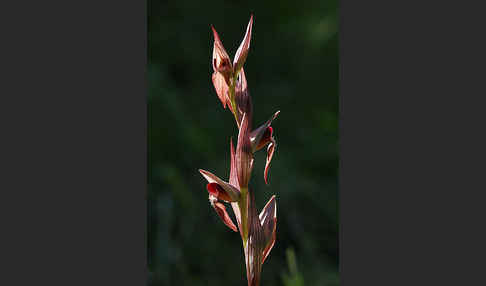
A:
(257, 231)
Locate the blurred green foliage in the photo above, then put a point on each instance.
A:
(292, 66)
(294, 277)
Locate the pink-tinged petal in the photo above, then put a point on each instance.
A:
(268, 221)
(221, 88)
(231, 191)
(221, 61)
(217, 191)
(258, 136)
(242, 52)
(221, 211)
(270, 150)
(244, 154)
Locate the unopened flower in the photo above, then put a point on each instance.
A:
(225, 72)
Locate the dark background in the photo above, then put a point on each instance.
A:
(293, 67)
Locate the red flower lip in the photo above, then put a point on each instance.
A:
(220, 190)
(229, 190)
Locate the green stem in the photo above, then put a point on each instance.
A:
(243, 205)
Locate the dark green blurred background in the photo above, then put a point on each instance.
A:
(292, 66)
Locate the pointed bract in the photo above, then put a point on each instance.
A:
(268, 221)
(244, 155)
(242, 52)
(255, 245)
(233, 180)
(242, 97)
(233, 177)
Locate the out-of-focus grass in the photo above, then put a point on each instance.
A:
(293, 277)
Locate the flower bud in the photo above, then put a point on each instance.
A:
(221, 60)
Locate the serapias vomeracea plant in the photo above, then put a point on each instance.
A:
(257, 231)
